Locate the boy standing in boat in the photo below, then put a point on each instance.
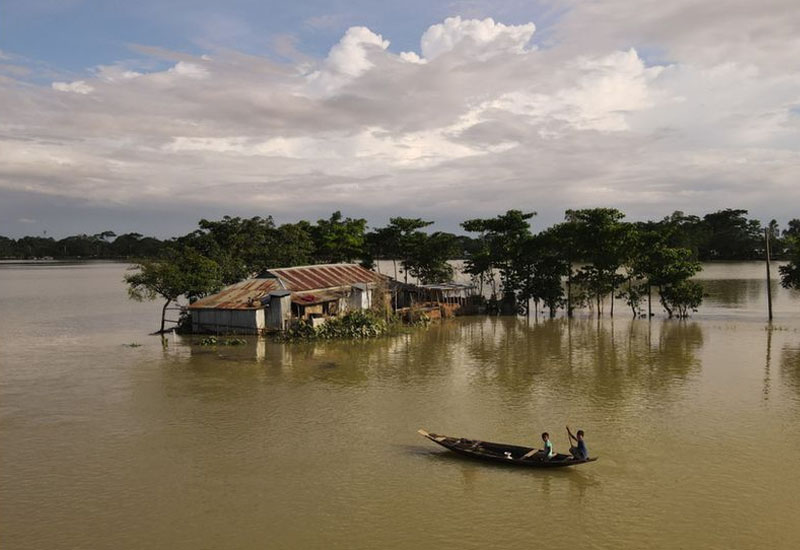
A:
(579, 451)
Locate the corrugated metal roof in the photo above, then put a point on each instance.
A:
(242, 295)
(295, 279)
(312, 277)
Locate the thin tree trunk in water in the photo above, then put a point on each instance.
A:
(612, 303)
(394, 263)
(569, 292)
(649, 301)
(164, 315)
(630, 298)
(597, 296)
(664, 303)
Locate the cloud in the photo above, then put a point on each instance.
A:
(480, 120)
(478, 38)
(78, 87)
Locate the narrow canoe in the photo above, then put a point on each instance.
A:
(502, 453)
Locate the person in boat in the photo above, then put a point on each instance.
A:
(578, 451)
(547, 453)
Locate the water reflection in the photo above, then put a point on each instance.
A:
(731, 293)
(608, 360)
(790, 365)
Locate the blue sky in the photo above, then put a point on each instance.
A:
(75, 35)
(148, 115)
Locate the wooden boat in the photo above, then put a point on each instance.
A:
(513, 455)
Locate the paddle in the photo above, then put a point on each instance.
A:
(529, 454)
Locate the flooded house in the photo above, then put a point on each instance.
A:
(276, 298)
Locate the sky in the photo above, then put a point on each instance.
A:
(147, 116)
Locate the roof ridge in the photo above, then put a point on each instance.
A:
(314, 265)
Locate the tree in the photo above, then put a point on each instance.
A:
(605, 242)
(501, 240)
(294, 245)
(731, 236)
(790, 273)
(566, 239)
(671, 270)
(682, 297)
(541, 265)
(383, 243)
(339, 239)
(407, 233)
(182, 272)
(429, 255)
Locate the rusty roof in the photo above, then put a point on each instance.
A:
(242, 295)
(246, 294)
(314, 277)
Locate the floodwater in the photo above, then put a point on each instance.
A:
(266, 445)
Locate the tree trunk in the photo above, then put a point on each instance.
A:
(611, 311)
(394, 263)
(569, 292)
(664, 303)
(164, 315)
(649, 300)
(630, 298)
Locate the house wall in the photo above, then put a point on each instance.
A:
(279, 312)
(231, 321)
(359, 299)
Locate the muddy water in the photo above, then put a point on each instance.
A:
(103, 444)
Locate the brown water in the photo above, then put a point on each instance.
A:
(314, 446)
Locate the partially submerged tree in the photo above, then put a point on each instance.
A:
(429, 255)
(503, 237)
(790, 273)
(182, 272)
(605, 243)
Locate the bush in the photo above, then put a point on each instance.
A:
(681, 298)
(353, 324)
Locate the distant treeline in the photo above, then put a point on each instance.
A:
(722, 235)
(595, 251)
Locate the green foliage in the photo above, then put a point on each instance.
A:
(214, 341)
(538, 269)
(730, 235)
(339, 239)
(605, 242)
(353, 324)
(500, 238)
(182, 272)
(790, 273)
(428, 255)
(681, 298)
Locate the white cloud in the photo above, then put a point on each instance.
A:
(348, 59)
(481, 121)
(189, 70)
(78, 87)
(478, 38)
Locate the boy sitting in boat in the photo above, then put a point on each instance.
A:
(542, 454)
(579, 451)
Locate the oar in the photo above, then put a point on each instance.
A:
(529, 454)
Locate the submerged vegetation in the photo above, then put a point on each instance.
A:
(353, 325)
(214, 341)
